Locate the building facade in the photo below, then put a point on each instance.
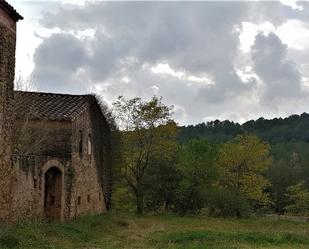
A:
(61, 158)
(55, 148)
(8, 19)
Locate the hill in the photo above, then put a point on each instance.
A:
(277, 130)
(289, 140)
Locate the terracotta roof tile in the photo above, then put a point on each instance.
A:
(50, 106)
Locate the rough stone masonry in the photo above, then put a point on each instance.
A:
(8, 19)
(54, 148)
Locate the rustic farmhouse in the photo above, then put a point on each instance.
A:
(54, 148)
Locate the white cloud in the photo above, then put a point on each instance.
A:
(247, 74)
(164, 68)
(75, 2)
(295, 34)
(126, 79)
(155, 89)
(249, 31)
(292, 3)
(183, 51)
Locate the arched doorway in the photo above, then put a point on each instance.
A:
(53, 194)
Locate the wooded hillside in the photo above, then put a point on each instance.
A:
(289, 141)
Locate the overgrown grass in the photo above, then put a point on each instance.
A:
(212, 239)
(124, 231)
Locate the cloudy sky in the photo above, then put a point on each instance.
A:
(210, 60)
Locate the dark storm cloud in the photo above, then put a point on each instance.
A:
(57, 59)
(281, 77)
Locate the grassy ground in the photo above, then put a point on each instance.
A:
(124, 231)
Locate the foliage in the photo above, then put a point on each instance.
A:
(274, 131)
(197, 169)
(288, 138)
(247, 177)
(281, 174)
(298, 197)
(123, 198)
(242, 163)
(147, 133)
(227, 202)
(161, 183)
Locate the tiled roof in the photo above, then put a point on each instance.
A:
(50, 106)
(10, 10)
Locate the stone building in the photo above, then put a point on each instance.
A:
(55, 148)
(8, 19)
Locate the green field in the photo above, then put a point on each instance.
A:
(162, 231)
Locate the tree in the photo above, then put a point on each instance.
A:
(243, 162)
(161, 184)
(148, 132)
(281, 176)
(197, 169)
(298, 197)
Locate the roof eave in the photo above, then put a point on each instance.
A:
(10, 11)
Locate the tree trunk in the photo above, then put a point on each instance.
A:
(167, 204)
(238, 215)
(139, 199)
(139, 203)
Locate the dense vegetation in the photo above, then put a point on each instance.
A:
(218, 168)
(125, 231)
(289, 146)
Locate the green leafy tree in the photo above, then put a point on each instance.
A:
(243, 162)
(161, 184)
(226, 202)
(197, 169)
(148, 133)
(298, 197)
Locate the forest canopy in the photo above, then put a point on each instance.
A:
(219, 167)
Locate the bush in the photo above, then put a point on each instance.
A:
(225, 202)
(123, 199)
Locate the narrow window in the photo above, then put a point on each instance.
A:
(35, 183)
(89, 144)
(99, 196)
(79, 200)
(80, 146)
(88, 198)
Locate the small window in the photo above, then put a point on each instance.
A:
(79, 200)
(35, 183)
(99, 196)
(80, 145)
(89, 144)
(88, 198)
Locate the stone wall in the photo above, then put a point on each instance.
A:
(38, 145)
(81, 147)
(7, 68)
(102, 150)
(29, 191)
(88, 163)
(42, 137)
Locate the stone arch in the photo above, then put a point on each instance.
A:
(52, 163)
(53, 189)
